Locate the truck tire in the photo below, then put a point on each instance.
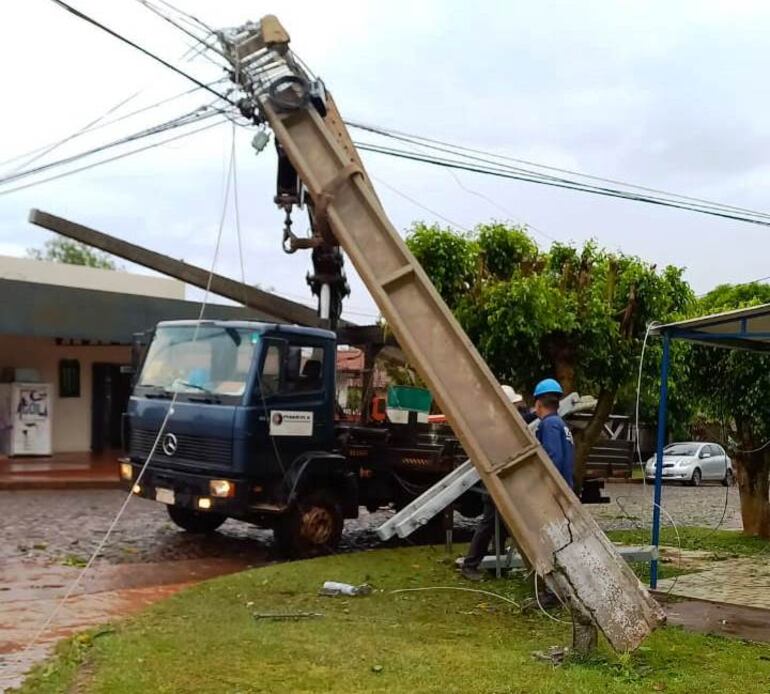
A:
(199, 522)
(312, 526)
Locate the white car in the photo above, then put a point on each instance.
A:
(693, 462)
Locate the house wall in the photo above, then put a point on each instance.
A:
(64, 275)
(71, 416)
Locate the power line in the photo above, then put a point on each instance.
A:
(189, 33)
(547, 177)
(417, 203)
(165, 63)
(409, 137)
(470, 191)
(43, 151)
(111, 159)
(189, 16)
(198, 114)
(704, 207)
(503, 172)
(99, 124)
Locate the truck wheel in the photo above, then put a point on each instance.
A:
(311, 527)
(199, 522)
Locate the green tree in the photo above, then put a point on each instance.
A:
(61, 250)
(733, 386)
(579, 314)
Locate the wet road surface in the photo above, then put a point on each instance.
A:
(46, 536)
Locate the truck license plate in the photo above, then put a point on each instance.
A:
(165, 496)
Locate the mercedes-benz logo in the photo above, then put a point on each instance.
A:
(170, 444)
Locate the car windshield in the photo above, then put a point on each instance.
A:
(682, 449)
(216, 360)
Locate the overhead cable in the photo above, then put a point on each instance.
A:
(456, 148)
(197, 115)
(47, 149)
(129, 42)
(502, 172)
(548, 177)
(155, 10)
(99, 123)
(111, 159)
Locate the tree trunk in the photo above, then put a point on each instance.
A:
(585, 439)
(561, 353)
(565, 374)
(754, 487)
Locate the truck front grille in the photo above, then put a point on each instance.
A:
(195, 450)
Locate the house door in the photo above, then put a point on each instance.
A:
(110, 392)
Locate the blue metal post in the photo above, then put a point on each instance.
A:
(659, 455)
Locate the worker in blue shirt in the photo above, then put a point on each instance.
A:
(553, 433)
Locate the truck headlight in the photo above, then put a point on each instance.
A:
(126, 471)
(222, 488)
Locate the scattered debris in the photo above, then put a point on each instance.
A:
(74, 561)
(332, 588)
(287, 615)
(555, 655)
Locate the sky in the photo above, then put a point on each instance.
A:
(668, 95)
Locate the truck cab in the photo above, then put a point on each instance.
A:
(237, 420)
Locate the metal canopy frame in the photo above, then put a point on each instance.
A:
(745, 329)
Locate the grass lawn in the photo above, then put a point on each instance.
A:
(207, 639)
(722, 543)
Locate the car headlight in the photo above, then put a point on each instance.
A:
(126, 471)
(222, 488)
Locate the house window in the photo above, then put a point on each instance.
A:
(69, 378)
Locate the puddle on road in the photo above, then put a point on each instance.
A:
(30, 591)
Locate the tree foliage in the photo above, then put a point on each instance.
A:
(733, 387)
(579, 313)
(735, 383)
(61, 250)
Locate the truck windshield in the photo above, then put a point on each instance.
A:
(215, 361)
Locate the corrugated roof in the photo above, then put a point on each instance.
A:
(744, 328)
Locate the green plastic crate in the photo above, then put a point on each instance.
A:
(409, 398)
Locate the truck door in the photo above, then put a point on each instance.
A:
(293, 399)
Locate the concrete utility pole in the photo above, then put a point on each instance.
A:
(558, 537)
(274, 307)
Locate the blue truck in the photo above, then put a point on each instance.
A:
(256, 434)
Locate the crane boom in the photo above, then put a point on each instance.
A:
(556, 535)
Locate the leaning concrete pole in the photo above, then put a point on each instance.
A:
(271, 306)
(558, 537)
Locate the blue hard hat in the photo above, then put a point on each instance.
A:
(548, 385)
